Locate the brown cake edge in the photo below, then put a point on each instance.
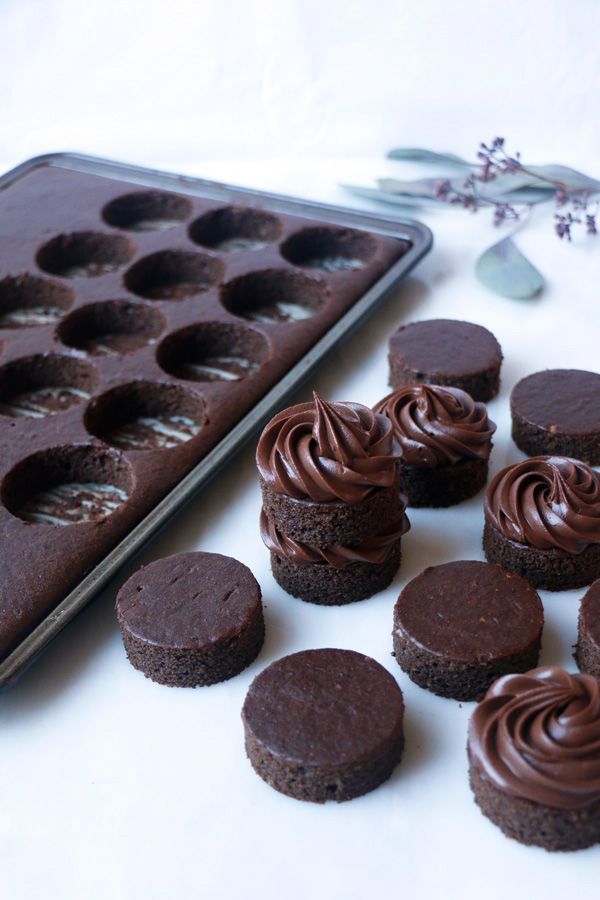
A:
(196, 666)
(482, 386)
(536, 441)
(533, 823)
(316, 784)
(550, 570)
(326, 585)
(459, 680)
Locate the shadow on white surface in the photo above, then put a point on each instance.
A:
(419, 746)
(64, 663)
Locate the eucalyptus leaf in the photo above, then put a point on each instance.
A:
(571, 178)
(533, 195)
(504, 183)
(505, 270)
(394, 199)
(419, 187)
(418, 154)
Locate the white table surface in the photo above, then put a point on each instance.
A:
(114, 788)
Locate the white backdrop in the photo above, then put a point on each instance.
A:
(175, 81)
(113, 788)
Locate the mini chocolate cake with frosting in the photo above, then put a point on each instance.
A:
(328, 472)
(542, 521)
(558, 412)
(587, 650)
(458, 626)
(445, 439)
(191, 619)
(534, 758)
(332, 512)
(324, 725)
(447, 352)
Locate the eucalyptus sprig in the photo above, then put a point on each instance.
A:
(502, 182)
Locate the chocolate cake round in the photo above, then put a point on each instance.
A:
(587, 650)
(336, 574)
(534, 758)
(558, 412)
(446, 352)
(324, 725)
(542, 521)
(458, 626)
(328, 472)
(445, 439)
(191, 619)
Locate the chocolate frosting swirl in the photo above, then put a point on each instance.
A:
(547, 502)
(327, 451)
(438, 426)
(537, 736)
(374, 550)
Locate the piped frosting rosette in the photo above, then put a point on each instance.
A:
(327, 451)
(547, 502)
(537, 736)
(438, 426)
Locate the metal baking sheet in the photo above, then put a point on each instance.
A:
(421, 240)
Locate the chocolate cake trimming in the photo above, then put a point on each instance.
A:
(458, 626)
(445, 439)
(191, 619)
(557, 412)
(587, 649)
(542, 521)
(324, 725)
(332, 512)
(146, 322)
(446, 352)
(534, 758)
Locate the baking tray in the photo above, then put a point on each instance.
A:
(420, 240)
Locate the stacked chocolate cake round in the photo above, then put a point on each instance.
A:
(332, 514)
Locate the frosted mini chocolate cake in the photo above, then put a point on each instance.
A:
(444, 439)
(333, 514)
(542, 521)
(534, 758)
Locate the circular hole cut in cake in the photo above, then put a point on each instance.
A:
(173, 275)
(329, 249)
(146, 415)
(84, 254)
(212, 351)
(147, 211)
(111, 327)
(68, 485)
(27, 300)
(34, 387)
(274, 296)
(235, 228)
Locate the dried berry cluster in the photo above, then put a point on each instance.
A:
(494, 161)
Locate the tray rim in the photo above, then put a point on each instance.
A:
(421, 238)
